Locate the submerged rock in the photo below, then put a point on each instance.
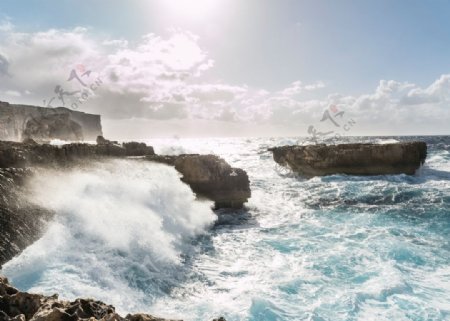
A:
(212, 177)
(352, 159)
(23, 306)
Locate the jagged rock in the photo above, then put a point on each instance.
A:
(18, 122)
(352, 159)
(212, 177)
(14, 154)
(138, 149)
(16, 305)
(29, 141)
(103, 141)
(131, 148)
(24, 155)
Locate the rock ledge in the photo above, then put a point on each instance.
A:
(212, 177)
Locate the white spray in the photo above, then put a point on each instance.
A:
(121, 230)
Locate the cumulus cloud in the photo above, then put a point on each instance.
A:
(163, 78)
(297, 87)
(6, 25)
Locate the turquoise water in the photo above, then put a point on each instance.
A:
(331, 248)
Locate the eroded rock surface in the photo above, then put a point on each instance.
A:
(352, 159)
(26, 154)
(23, 306)
(212, 177)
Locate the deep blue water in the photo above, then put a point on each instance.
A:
(331, 248)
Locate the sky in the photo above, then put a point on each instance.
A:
(163, 68)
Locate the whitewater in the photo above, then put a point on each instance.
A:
(130, 233)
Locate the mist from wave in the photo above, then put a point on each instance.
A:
(121, 232)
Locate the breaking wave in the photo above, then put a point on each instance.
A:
(122, 232)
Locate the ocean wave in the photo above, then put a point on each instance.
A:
(121, 227)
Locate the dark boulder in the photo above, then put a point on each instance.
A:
(138, 149)
(352, 159)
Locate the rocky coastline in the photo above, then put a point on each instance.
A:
(22, 223)
(209, 176)
(22, 306)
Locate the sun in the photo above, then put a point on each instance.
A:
(191, 9)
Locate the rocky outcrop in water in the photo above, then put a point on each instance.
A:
(18, 122)
(352, 159)
(23, 306)
(212, 177)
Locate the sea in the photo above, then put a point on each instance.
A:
(334, 248)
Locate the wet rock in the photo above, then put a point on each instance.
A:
(29, 141)
(138, 149)
(20, 155)
(212, 177)
(22, 306)
(143, 317)
(102, 141)
(21, 223)
(352, 159)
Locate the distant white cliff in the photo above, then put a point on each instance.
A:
(18, 122)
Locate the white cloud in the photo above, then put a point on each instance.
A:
(6, 25)
(297, 87)
(12, 93)
(163, 78)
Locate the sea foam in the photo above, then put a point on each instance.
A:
(121, 227)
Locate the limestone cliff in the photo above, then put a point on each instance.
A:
(18, 122)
